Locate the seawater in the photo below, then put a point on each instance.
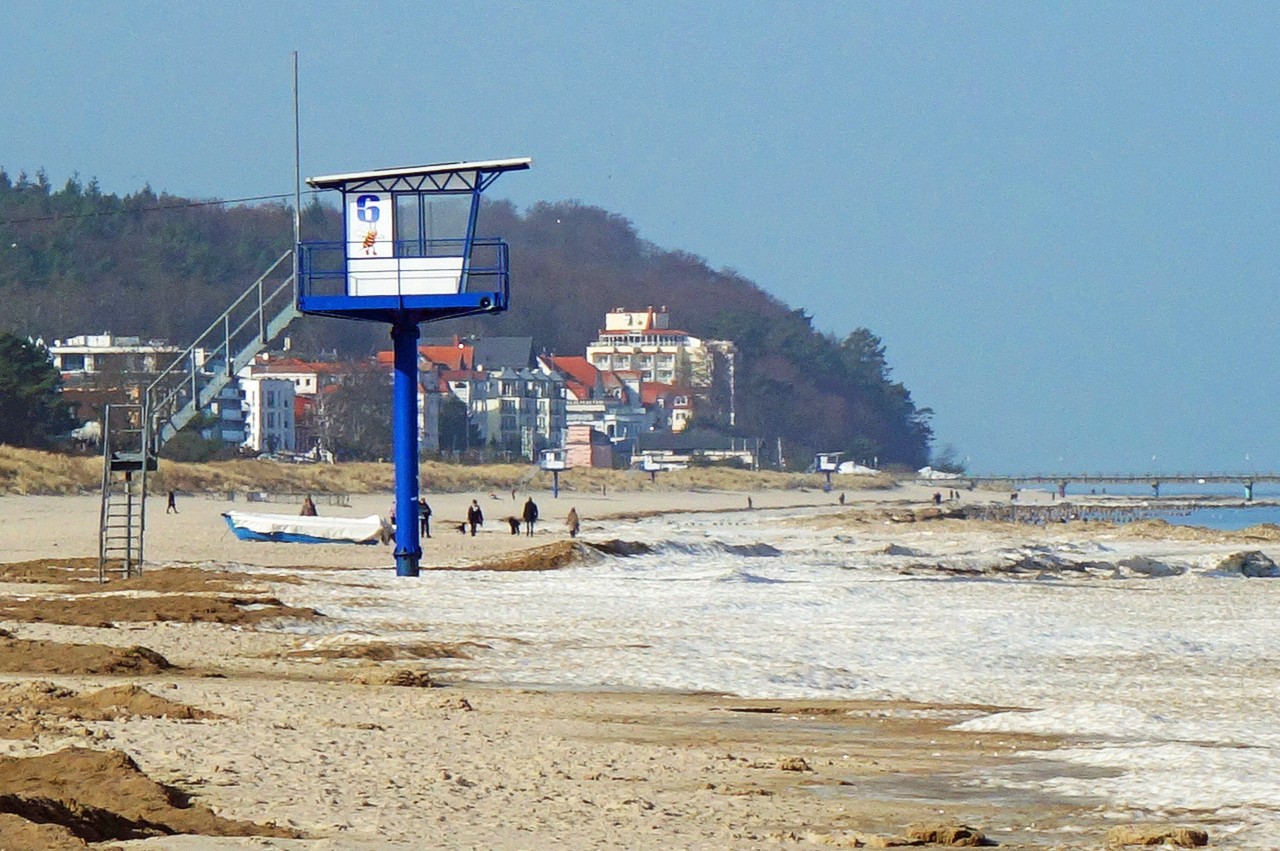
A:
(1169, 684)
(1221, 518)
(1225, 519)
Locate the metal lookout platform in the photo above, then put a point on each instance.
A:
(410, 255)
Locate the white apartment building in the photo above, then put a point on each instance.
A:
(268, 407)
(520, 409)
(93, 354)
(643, 341)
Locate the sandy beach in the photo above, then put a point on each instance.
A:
(212, 704)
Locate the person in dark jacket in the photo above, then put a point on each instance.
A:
(571, 522)
(475, 517)
(530, 515)
(424, 518)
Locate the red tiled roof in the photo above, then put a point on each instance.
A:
(450, 357)
(576, 367)
(453, 357)
(293, 366)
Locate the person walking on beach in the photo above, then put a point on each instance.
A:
(309, 507)
(424, 518)
(530, 515)
(173, 504)
(571, 522)
(475, 517)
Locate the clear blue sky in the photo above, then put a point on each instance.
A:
(1061, 218)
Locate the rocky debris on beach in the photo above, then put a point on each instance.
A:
(410, 679)
(1030, 563)
(1253, 564)
(1152, 834)
(897, 550)
(617, 547)
(947, 833)
(752, 550)
(1149, 567)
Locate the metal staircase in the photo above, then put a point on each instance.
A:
(132, 435)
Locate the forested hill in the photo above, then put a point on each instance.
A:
(74, 261)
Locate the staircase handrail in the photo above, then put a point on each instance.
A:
(164, 397)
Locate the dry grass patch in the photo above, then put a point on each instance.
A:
(27, 471)
(56, 571)
(30, 471)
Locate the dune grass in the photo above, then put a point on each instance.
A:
(28, 471)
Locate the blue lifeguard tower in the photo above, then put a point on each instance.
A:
(409, 255)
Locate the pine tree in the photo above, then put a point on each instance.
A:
(32, 412)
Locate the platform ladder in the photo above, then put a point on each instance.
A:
(133, 434)
(126, 463)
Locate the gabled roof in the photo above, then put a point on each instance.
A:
(448, 356)
(293, 366)
(576, 367)
(509, 352)
(652, 391)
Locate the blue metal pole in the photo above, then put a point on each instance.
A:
(404, 416)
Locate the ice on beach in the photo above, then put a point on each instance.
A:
(1165, 685)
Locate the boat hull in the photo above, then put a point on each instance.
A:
(288, 529)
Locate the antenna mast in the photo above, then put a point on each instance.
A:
(297, 167)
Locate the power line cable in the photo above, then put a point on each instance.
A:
(216, 203)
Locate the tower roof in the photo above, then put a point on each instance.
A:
(438, 177)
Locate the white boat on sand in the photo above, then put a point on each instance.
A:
(296, 529)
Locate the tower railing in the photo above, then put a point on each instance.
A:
(323, 265)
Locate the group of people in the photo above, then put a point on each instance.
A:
(475, 519)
